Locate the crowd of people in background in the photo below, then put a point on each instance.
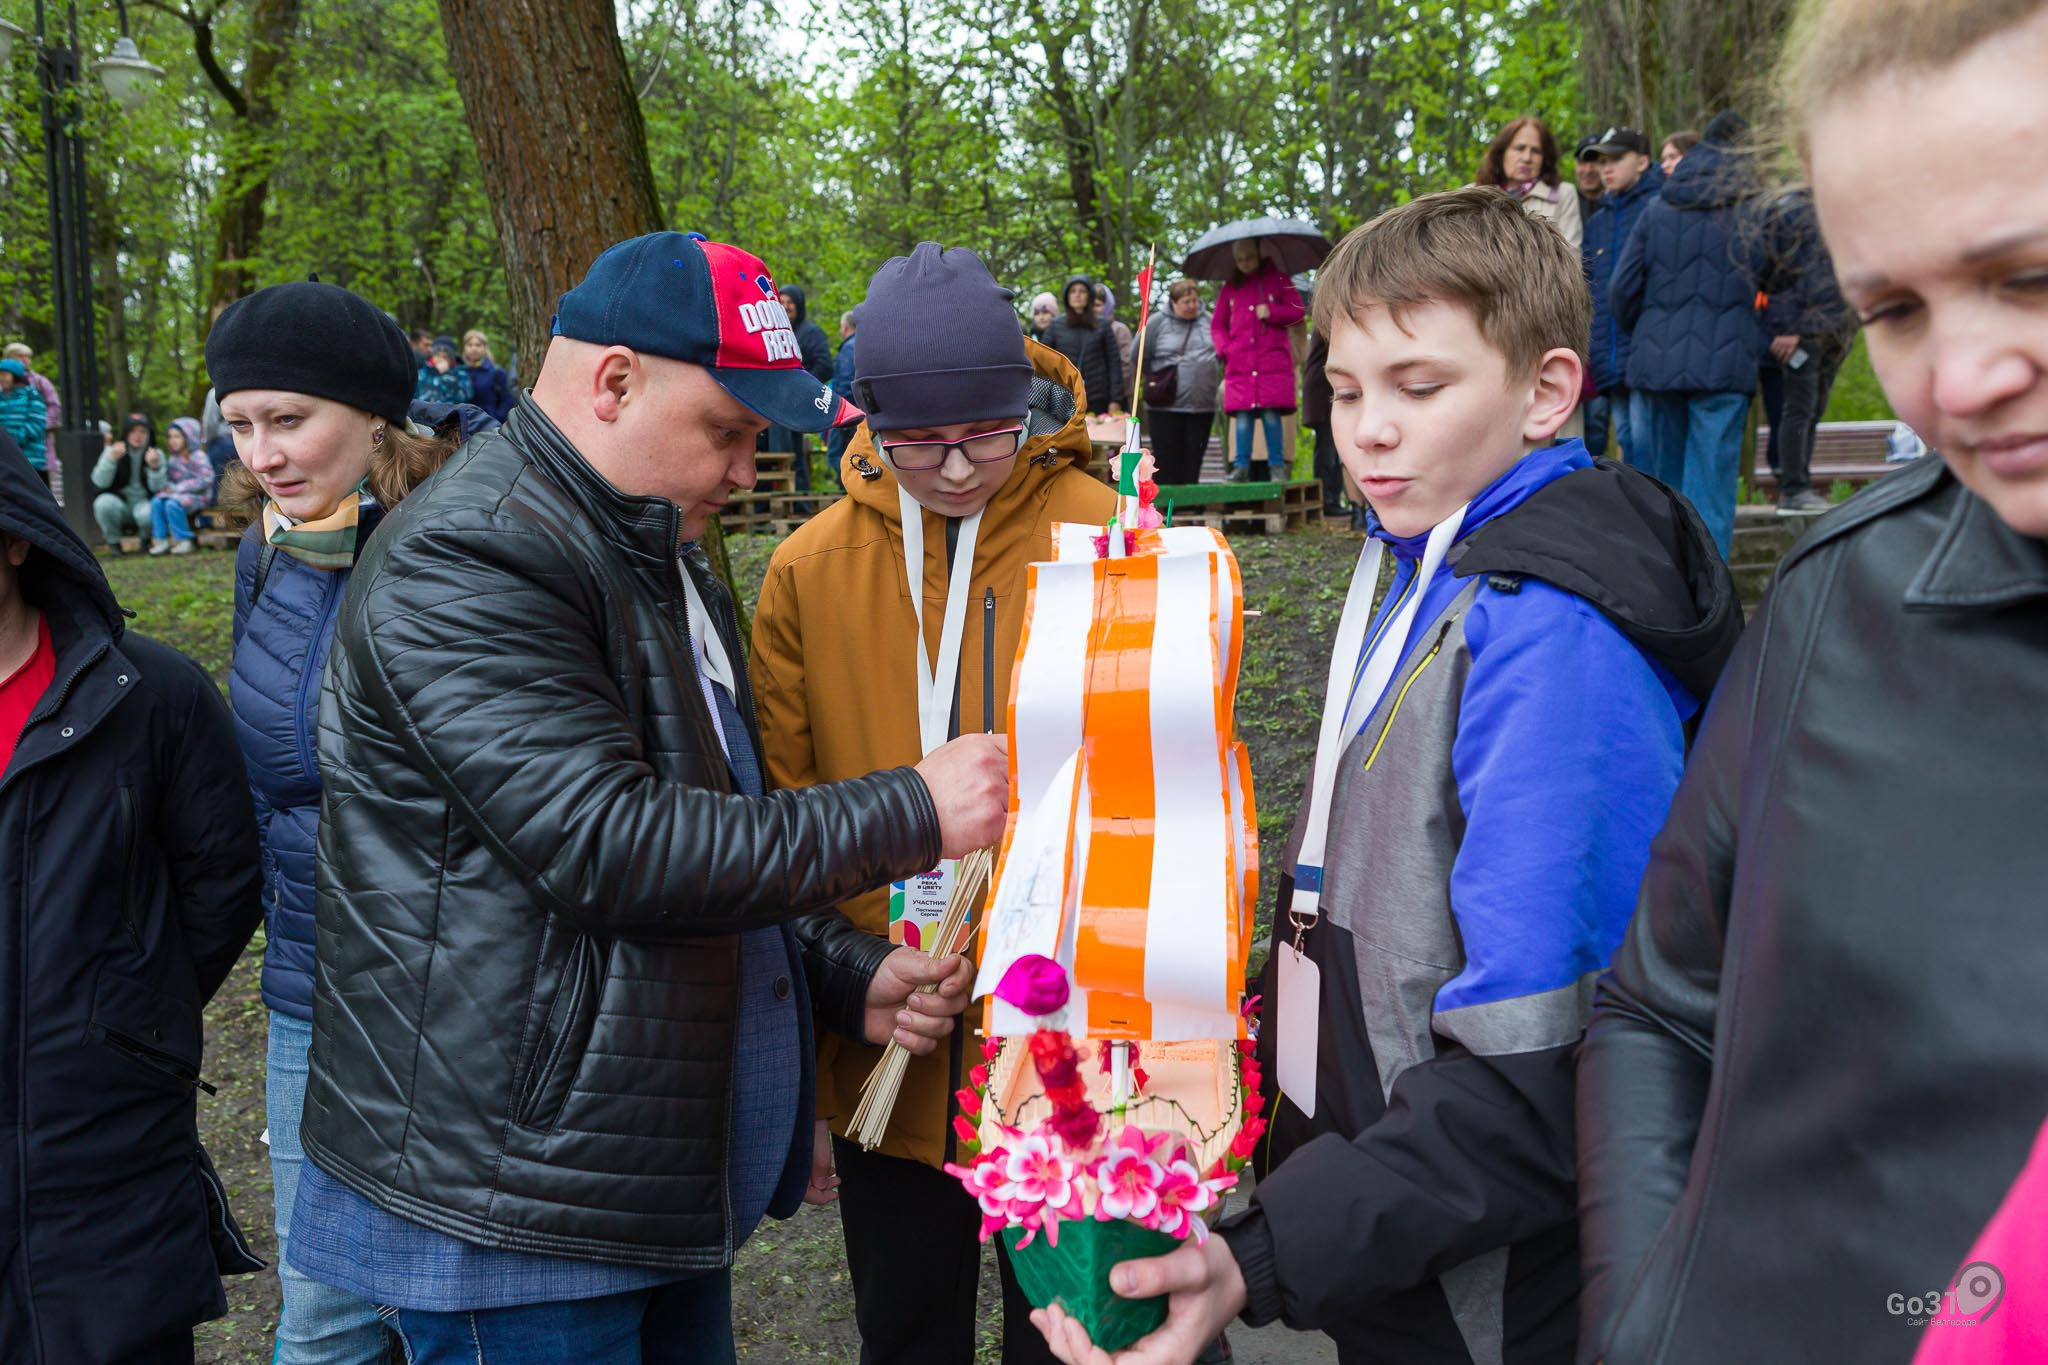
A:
(1705, 292)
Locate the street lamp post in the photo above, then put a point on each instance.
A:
(127, 78)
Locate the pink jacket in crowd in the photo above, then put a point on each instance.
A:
(1257, 355)
(1996, 1311)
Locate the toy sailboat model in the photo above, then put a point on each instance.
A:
(1118, 1099)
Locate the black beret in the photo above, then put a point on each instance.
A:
(313, 338)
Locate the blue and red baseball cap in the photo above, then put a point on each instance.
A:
(679, 295)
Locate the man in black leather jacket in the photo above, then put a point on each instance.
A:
(561, 1037)
(1816, 1064)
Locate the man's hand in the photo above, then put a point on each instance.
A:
(1783, 347)
(824, 1186)
(900, 1008)
(1205, 1291)
(969, 779)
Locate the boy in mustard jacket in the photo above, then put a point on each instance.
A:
(974, 446)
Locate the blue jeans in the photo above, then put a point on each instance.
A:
(1602, 409)
(685, 1323)
(1269, 418)
(167, 519)
(320, 1325)
(1693, 442)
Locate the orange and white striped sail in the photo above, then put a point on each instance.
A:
(1131, 854)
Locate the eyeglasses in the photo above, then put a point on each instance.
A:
(985, 447)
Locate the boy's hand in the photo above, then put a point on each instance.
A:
(824, 1186)
(899, 1008)
(1205, 1291)
(152, 457)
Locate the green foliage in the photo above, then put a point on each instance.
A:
(1049, 135)
(1857, 396)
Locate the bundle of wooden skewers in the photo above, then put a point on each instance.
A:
(878, 1094)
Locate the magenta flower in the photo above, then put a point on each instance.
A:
(1036, 985)
(1127, 1178)
(1183, 1197)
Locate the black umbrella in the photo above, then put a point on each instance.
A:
(1289, 243)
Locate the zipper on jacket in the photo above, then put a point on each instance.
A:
(1402, 695)
(128, 868)
(155, 1058)
(310, 677)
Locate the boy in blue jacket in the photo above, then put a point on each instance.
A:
(1503, 733)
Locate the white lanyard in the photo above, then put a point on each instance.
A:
(935, 691)
(713, 663)
(1354, 692)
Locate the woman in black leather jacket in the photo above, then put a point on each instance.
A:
(1817, 1062)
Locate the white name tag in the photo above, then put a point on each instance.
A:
(916, 905)
(1299, 1021)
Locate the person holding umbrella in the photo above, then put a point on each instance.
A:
(1253, 313)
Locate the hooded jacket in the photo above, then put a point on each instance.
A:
(811, 342)
(1797, 272)
(1607, 231)
(23, 414)
(1817, 1064)
(834, 676)
(1091, 348)
(128, 888)
(1489, 826)
(189, 477)
(1686, 283)
(1257, 353)
(535, 873)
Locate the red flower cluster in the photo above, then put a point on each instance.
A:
(1059, 1070)
(1247, 1140)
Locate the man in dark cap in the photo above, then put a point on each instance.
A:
(562, 1058)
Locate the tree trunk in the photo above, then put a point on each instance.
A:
(559, 141)
(563, 152)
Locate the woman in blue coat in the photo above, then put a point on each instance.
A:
(325, 449)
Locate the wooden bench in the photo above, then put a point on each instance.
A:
(1853, 452)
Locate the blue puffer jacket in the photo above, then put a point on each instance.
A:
(1607, 232)
(1686, 284)
(274, 686)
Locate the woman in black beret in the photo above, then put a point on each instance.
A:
(313, 381)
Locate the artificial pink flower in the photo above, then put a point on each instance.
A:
(1035, 984)
(990, 1048)
(1035, 1174)
(978, 1078)
(1183, 1196)
(1127, 1177)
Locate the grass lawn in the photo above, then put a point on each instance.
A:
(791, 1297)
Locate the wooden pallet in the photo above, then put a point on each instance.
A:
(1256, 508)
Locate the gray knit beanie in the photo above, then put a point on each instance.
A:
(939, 344)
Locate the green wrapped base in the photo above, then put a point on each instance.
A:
(1075, 1275)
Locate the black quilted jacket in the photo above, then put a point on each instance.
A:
(533, 871)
